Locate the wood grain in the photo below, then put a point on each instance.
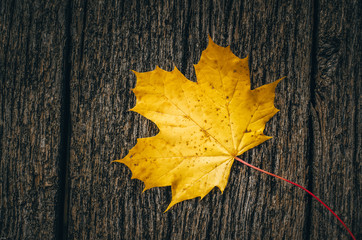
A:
(32, 41)
(109, 41)
(65, 70)
(337, 120)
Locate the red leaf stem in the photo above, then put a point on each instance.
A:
(295, 184)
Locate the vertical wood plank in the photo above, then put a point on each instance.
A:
(337, 120)
(32, 40)
(111, 39)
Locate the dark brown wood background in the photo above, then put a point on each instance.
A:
(65, 91)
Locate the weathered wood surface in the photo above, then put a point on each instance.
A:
(316, 139)
(32, 42)
(336, 106)
(113, 39)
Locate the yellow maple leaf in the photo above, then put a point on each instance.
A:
(203, 126)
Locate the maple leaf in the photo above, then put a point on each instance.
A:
(203, 126)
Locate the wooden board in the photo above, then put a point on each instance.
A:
(65, 71)
(32, 48)
(337, 120)
(108, 41)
